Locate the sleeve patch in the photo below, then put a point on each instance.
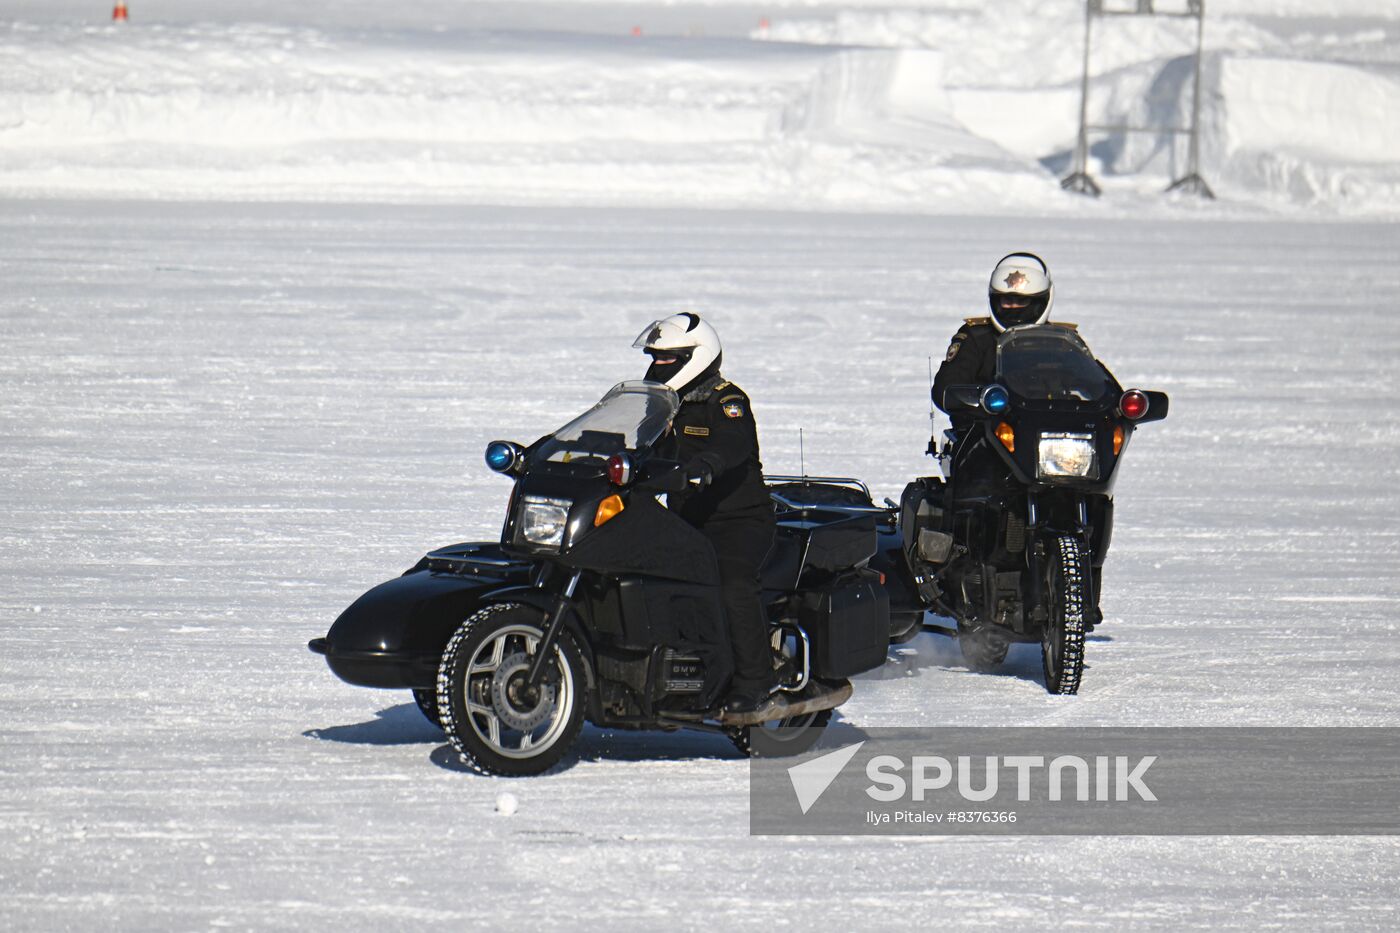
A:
(953, 349)
(734, 409)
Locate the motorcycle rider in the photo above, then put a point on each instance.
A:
(715, 440)
(1020, 292)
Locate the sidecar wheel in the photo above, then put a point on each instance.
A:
(493, 720)
(1062, 641)
(427, 705)
(781, 738)
(982, 648)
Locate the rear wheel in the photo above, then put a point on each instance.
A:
(1062, 642)
(498, 723)
(781, 738)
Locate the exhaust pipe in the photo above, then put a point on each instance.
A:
(815, 698)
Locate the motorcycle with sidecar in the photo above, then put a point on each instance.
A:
(600, 604)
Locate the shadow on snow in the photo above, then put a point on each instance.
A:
(403, 724)
(626, 745)
(397, 725)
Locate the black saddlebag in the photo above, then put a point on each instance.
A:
(849, 624)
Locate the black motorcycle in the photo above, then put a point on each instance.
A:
(599, 603)
(1011, 542)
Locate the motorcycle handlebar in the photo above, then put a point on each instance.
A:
(662, 476)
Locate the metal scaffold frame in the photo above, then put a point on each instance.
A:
(1191, 182)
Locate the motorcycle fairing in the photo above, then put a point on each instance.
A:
(649, 540)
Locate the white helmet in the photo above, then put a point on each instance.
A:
(683, 349)
(1020, 291)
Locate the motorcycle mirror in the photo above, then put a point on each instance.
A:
(663, 476)
(962, 399)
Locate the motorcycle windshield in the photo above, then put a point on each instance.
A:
(1052, 364)
(631, 416)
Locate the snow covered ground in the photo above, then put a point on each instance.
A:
(263, 308)
(223, 422)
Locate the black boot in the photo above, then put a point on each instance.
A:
(744, 700)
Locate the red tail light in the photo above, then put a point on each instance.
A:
(619, 469)
(1133, 404)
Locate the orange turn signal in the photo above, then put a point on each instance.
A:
(1117, 439)
(1007, 436)
(608, 509)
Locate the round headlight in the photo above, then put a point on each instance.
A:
(995, 399)
(501, 455)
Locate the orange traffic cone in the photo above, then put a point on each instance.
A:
(119, 12)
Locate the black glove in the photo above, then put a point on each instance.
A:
(698, 473)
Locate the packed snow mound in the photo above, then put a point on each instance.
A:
(1015, 43)
(1309, 132)
(1297, 112)
(1310, 109)
(265, 111)
(951, 107)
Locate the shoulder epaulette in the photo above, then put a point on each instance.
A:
(723, 385)
(977, 321)
(1065, 324)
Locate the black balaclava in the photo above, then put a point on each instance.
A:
(661, 372)
(657, 372)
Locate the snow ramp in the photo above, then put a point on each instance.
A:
(254, 111)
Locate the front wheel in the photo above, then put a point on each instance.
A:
(497, 723)
(1062, 641)
(781, 738)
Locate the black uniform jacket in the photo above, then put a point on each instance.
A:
(715, 426)
(971, 358)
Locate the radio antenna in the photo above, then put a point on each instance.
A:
(930, 395)
(932, 418)
(801, 454)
